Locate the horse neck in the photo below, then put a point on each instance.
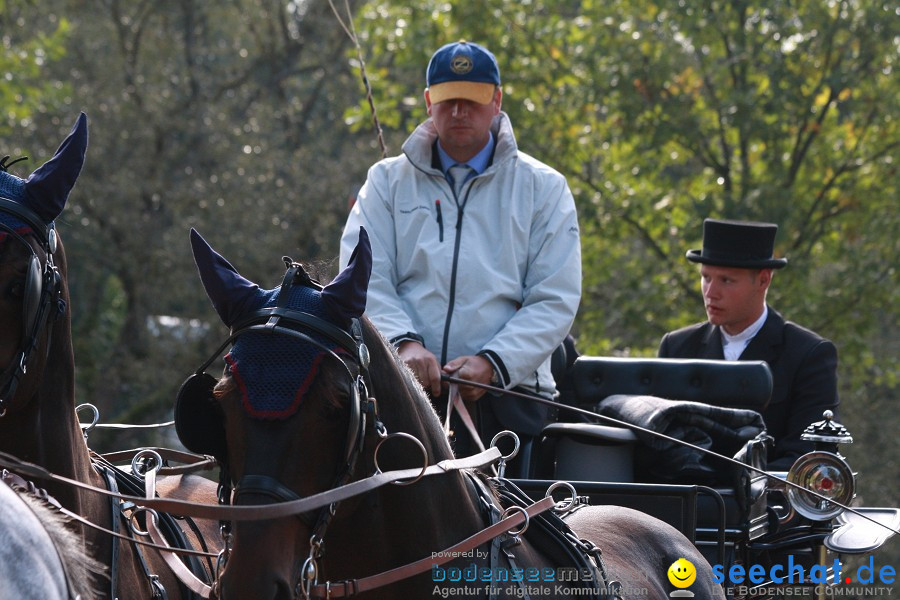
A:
(400, 524)
(46, 432)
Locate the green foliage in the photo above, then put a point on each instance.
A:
(664, 112)
(248, 120)
(26, 54)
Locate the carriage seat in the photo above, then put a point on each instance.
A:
(731, 384)
(564, 446)
(591, 451)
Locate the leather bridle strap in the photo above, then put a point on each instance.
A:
(263, 511)
(191, 462)
(178, 568)
(345, 589)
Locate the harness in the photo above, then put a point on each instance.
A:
(119, 482)
(201, 430)
(42, 290)
(199, 434)
(546, 532)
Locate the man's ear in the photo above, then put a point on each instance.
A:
(427, 102)
(765, 278)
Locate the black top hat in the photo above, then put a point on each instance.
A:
(742, 244)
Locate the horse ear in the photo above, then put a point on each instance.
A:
(47, 189)
(229, 292)
(345, 296)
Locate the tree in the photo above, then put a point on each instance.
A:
(27, 52)
(662, 113)
(223, 116)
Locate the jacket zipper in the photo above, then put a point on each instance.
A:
(453, 271)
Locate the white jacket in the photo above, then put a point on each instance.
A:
(499, 272)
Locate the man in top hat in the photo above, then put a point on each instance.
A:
(476, 253)
(736, 269)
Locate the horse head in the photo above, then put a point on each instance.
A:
(291, 376)
(292, 415)
(33, 272)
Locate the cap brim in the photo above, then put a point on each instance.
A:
(771, 263)
(482, 93)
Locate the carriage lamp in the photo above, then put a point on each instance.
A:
(827, 434)
(823, 471)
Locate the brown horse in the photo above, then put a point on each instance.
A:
(37, 371)
(309, 391)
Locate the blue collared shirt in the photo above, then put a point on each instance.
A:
(477, 163)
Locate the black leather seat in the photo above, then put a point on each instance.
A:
(731, 384)
(585, 451)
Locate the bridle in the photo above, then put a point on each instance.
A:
(282, 320)
(42, 289)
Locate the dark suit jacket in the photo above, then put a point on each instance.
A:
(804, 371)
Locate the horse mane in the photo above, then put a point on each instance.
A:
(397, 389)
(80, 567)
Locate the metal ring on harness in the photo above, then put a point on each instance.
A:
(501, 435)
(405, 436)
(132, 523)
(139, 464)
(517, 508)
(563, 507)
(309, 575)
(86, 429)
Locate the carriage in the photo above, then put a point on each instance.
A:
(330, 455)
(740, 517)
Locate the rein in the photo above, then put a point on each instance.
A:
(343, 589)
(257, 512)
(663, 436)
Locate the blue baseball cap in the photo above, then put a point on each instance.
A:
(462, 70)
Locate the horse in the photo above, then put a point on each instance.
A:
(312, 397)
(40, 557)
(38, 421)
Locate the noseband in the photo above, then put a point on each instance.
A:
(42, 288)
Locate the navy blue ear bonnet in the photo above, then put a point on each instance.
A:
(42, 196)
(12, 188)
(273, 372)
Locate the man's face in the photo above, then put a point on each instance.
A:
(734, 298)
(463, 126)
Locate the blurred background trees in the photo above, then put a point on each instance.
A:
(247, 120)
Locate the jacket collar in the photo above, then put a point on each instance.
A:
(711, 343)
(764, 345)
(419, 147)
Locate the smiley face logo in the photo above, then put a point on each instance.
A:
(682, 573)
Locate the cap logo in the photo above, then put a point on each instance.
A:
(461, 64)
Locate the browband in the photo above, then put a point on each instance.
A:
(31, 219)
(296, 320)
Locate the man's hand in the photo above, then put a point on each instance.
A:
(423, 364)
(472, 368)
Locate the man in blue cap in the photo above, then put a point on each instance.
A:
(736, 269)
(476, 252)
